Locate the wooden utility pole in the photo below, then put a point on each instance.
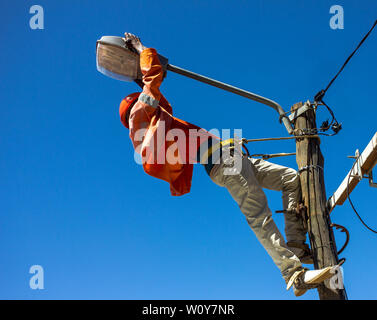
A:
(310, 163)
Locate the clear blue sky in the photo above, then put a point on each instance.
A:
(74, 201)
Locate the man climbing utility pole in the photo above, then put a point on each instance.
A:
(310, 163)
(146, 113)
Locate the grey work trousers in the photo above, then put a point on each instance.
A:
(245, 186)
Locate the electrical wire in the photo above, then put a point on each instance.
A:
(350, 201)
(334, 124)
(326, 126)
(318, 99)
(321, 94)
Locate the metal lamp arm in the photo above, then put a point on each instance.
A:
(235, 90)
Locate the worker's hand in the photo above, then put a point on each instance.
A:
(134, 41)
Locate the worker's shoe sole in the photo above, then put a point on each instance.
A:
(295, 278)
(299, 292)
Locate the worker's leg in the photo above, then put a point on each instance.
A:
(279, 178)
(246, 191)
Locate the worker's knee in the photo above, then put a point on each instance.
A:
(291, 178)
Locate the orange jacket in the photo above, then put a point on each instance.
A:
(151, 123)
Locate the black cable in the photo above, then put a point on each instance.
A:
(334, 124)
(328, 125)
(350, 201)
(351, 55)
(321, 93)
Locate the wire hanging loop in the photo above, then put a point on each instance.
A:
(342, 229)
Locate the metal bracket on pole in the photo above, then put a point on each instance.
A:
(367, 160)
(359, 175)
(370, 177)
(298, 112)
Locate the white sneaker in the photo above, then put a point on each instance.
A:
(305, 279)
